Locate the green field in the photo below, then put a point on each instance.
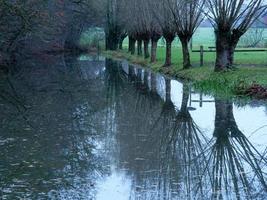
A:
(250, 59)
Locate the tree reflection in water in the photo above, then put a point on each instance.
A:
(183, 159)
(235, 165)
(115, 119)
(183, 163)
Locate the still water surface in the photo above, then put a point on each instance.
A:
(93, 128)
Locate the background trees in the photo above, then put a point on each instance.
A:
(164, 17)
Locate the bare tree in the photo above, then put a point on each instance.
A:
(187, 16)
(156, 34)
(144, 19)
(231, 19)
(133, 26)
(114, 23)
(163, 14)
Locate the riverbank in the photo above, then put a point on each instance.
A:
(244, 81)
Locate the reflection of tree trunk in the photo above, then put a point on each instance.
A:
(139, 74)
(168, 89)
(153, 83)
(146, 78)
(225, 123)
(185, 99)
(231, 152)
(131, 75)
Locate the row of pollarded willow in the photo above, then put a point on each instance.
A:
(145, 20)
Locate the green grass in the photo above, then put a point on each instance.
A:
(225, 83)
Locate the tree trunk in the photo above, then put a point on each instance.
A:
(232, 52)
(225, 124)
(132, 42)
(146, 51)
(122, 37)
(154, 46)
(139, 47)
(222, 50)
(168, 59)
(120, 44)
(186, 55)
(153, 81)
(112, 40)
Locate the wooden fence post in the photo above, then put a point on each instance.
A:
(201, 55)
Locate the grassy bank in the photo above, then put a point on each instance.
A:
(251, 68)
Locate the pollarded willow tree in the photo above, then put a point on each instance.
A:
(231, 19)
(187, 17)
(141, 27)
(115, 23)
(162, 13)
(135, 26)
(144, 20)
(156, 34)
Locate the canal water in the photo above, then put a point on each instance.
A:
(93, 128)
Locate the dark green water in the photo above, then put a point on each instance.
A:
(93, 128)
